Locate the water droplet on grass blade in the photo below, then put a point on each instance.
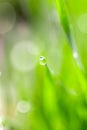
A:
(43, 60)
(75, 55)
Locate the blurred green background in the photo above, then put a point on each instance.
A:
(43, 65)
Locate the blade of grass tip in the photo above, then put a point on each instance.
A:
(44, 63)
(61, 7)
(63, 17)
(62, 11)
(49, 95)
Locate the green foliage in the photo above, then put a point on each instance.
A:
(53, 94)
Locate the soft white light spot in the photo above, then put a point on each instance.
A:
(72, 92)
(75, 55)
(24, 56)
(1, 128)
(2, 121)
(23, 107)
(55, 16)
(7, 17)
(0, 73)
(82, 23)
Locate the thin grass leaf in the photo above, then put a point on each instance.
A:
(64, 19)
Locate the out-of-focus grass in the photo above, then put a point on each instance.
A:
(51, 95)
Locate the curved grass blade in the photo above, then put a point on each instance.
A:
(64, 19)
(49, 96)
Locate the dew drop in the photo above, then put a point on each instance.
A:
(75, 55)
(43, 60)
